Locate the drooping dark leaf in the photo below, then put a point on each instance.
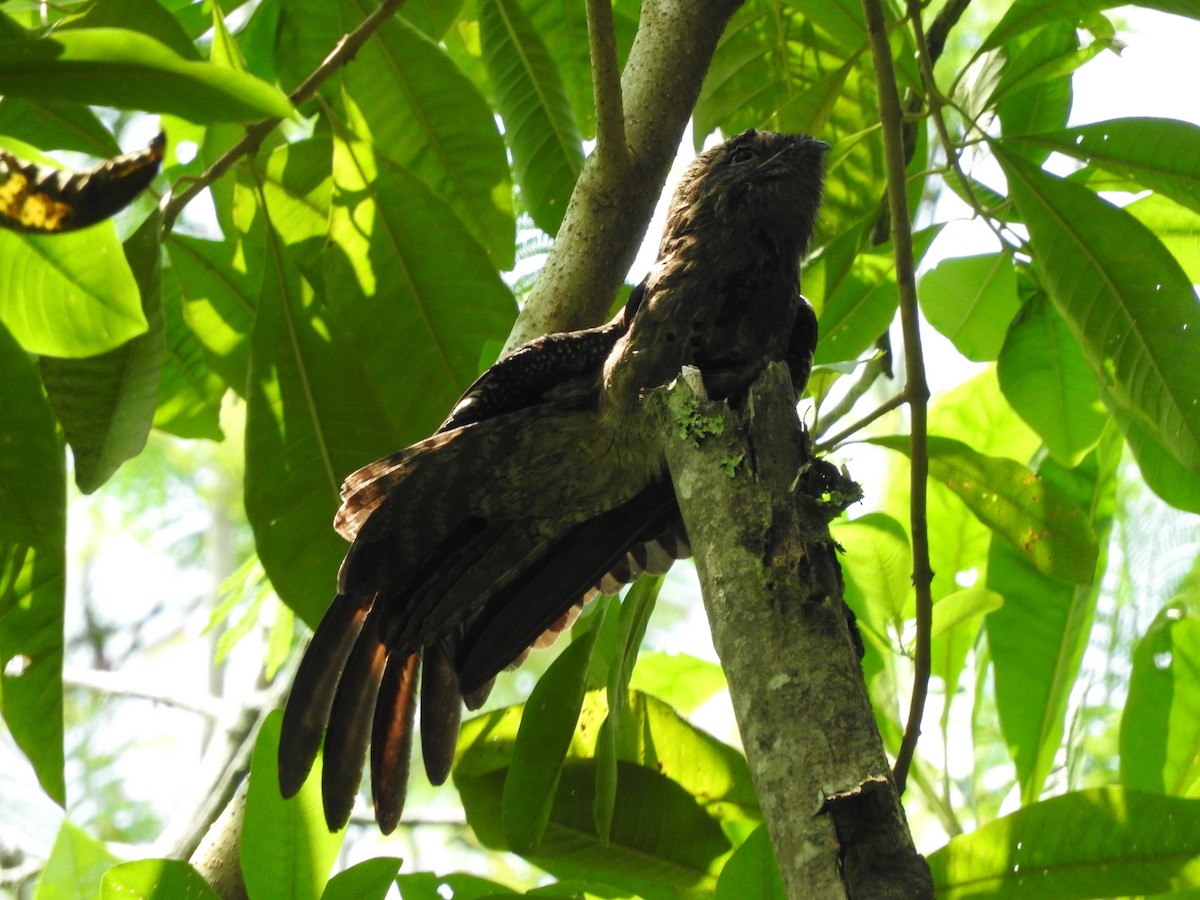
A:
(106, 403)
(540, 128)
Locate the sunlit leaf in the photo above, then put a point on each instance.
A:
(1104, 842)
(1160, 728)
(287, 849)
(1038, 637)
(1125, 299)
(155, 879)
(116, 67)
(971, 300)
(1030, 513)
(75, 867)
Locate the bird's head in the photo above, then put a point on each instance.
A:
(758, 183)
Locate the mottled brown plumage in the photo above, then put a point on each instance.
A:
(546, 481)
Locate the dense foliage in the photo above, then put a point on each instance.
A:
(329, 296)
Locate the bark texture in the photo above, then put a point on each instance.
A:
(773, 592)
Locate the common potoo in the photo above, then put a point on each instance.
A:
(546, 481)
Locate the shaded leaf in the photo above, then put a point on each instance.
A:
(424, 114)
(106, 403)
(55, 125)
(1025, 15)
(752, 871)
(542, 744)
(540, 128)
(1038, 637)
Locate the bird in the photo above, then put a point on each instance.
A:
(546, 482)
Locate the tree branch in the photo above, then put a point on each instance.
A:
(773, 592)
(610, 208)
(916, 389)
(606, 86)
(342, 53)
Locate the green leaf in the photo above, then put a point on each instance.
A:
(147, 17)
(563, 28)
(67, 294)
(155, 879)
(367, 880)
(1159, 727)
(1025, 15)
(1035, 89)
(752, 871)
(220, 288)
(106, 403)
(33, 512)
(1125, 299)
(1162, 154)
(459, 885)
(683, 681)
(962, 606)
(116, 67)
(878, 568)
(1105, 842)
(1176, 226)
(425, 115)
(76, 865)
(1045, 377)
(863, 303)
(1030, 513)
(328, 390)
(1038, 637)
(631, 629)
(287, 850)
(542, 744)
(53, 125)
(1162, 472)
(540, 128)
(189, 395)
(971, 300)
(663, 826)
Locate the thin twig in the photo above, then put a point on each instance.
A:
(606, 84)
(916, 389)
(344, 51)
(866, 379)
(881, 410)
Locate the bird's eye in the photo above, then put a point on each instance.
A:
(741, 154)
